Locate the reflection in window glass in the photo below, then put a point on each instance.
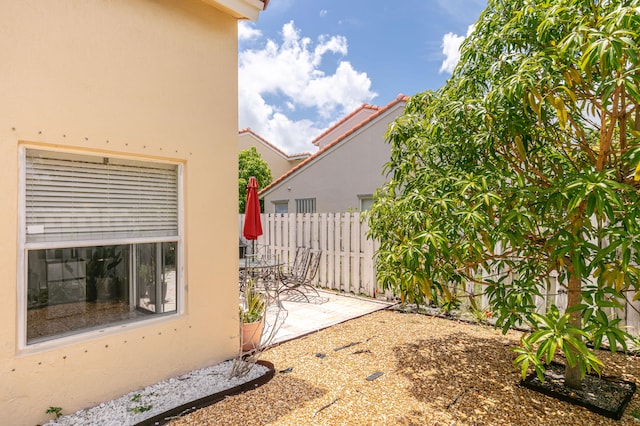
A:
(83, 288)
(156, 277)
(281, 207)
(366, 203)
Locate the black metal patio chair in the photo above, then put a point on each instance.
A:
(300, 280)
(299, 262)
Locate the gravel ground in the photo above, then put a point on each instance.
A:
(434, 371)
(143, 404)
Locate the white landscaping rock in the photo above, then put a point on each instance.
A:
(161, 397)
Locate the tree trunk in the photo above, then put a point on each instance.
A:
(572, 374)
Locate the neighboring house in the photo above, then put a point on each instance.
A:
(344, 174)
(278, 161)
(118, 178)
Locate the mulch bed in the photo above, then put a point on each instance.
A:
(607, 396)
(392, 368)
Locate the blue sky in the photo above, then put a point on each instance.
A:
(306, 64)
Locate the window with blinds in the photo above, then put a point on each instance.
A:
(101, 243)
(71, 197)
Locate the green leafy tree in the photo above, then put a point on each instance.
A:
(250, 163)
(525, 163)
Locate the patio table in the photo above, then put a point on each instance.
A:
(262, 270)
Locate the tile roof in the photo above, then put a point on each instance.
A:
(317, 154)
(344, 120)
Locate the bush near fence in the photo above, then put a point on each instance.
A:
(347, 262)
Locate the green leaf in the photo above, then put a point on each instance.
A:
(520, 147)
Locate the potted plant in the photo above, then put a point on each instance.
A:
(252, 317)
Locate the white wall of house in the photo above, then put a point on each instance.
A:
(342, 174)
(150, 81)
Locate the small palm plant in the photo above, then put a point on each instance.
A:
(254, 305)
(251, 319)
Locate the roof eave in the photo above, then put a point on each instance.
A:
(299, 156)
(240, 9)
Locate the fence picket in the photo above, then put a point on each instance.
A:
(356, 253)
(345, 249)
(337, 250)
(322, 245)
(331, 259)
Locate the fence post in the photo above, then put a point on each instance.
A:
(291, 241)
(356, 258)
(346, 252)
(337, 251)
(323, 245)
(368, 267)
(331, 245)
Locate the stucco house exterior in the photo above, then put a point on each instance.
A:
(118, 181)
(345, 172)
(279, 162)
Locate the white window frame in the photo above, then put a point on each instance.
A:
(277, 203)
(108, 329)
(365, 199)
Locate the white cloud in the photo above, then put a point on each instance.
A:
(287, 77)
(339, 93)
(247, 32)
(335, 44)
(451, 48)
(323, 13)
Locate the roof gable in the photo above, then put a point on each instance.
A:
(346, 123)
(271, 146)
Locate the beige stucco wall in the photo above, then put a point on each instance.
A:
(336, 178)
(152, 79)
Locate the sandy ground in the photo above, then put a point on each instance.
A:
(434, 372)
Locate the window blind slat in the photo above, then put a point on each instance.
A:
(81, 198)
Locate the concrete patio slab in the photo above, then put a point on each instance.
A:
(302, 317)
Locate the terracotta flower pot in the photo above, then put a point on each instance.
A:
(251, 335)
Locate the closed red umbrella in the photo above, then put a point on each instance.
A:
(252, 225)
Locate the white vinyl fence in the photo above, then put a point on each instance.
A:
(555, 294)
(347, 254)
(347, 262)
